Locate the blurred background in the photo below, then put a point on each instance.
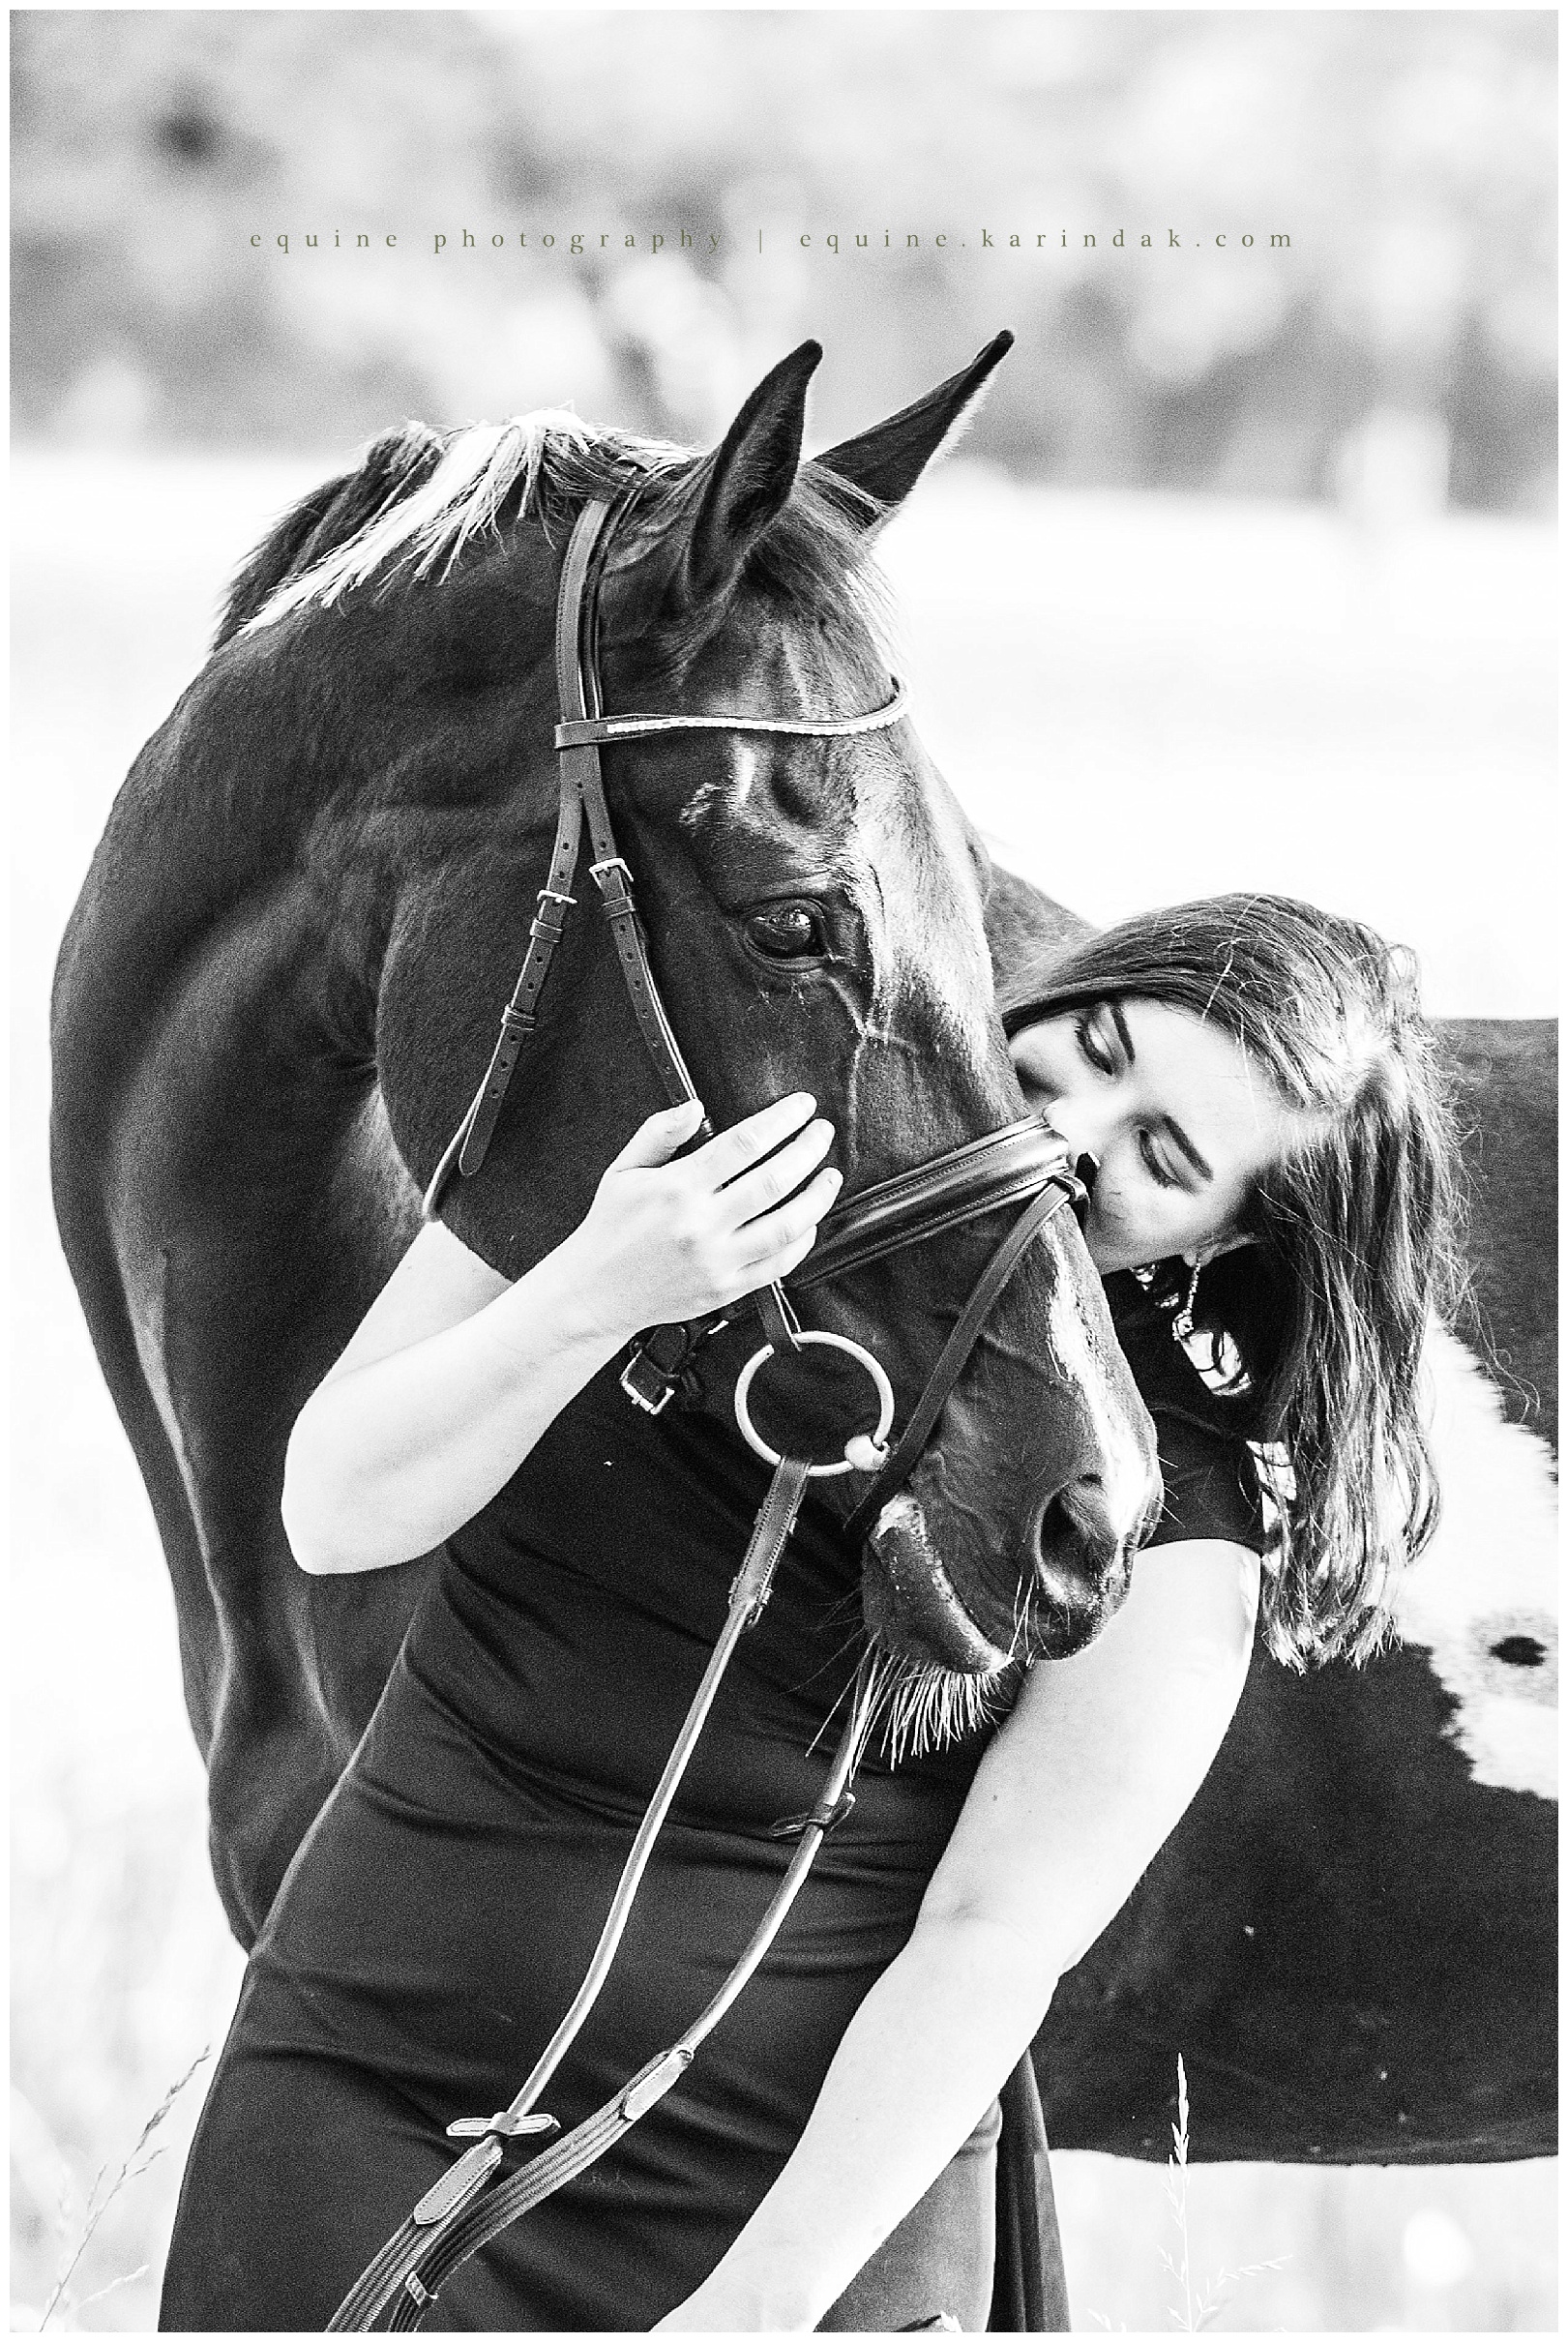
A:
(1241, 579)
(1405, 335)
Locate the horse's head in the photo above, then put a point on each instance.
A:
(816, 914)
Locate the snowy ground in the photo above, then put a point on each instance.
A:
(1139, 699)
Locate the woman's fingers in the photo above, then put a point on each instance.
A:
(789, 1230)
(660, 1137)
(778, 1265)
(733, 1150)
(766, 1184)
(774, 1269)
(676, 1239)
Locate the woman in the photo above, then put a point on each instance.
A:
(1274, 1191)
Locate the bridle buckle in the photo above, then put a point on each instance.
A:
(638, 1375)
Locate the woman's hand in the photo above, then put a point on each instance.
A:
(665, 1240)
(453, 1373)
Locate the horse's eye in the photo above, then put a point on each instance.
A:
(787, 931)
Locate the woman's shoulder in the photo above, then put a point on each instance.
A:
(1211, 1483)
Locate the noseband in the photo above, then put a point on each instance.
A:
(1027, 1164)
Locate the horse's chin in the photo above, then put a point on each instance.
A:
(912, 1607)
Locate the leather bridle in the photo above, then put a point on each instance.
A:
(1026, 1164)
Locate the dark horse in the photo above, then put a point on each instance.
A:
(281, 982)
(275, 999)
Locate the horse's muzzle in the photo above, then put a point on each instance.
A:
(1080, 1552)
(1065, 1580)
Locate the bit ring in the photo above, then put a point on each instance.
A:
(871, 1448)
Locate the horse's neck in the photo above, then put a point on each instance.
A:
(1025, 927)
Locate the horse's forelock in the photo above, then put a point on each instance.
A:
(418, 497)
(424, 512)
(328, 518)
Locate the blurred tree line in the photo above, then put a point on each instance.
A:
(1403, 346)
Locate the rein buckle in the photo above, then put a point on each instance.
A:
(506, 2126)
(822, 1816)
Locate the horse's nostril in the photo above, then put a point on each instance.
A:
(1077, 1548)
(1082, 1505)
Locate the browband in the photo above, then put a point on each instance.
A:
(595, 730)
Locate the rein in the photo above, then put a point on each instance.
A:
(1025, 1164)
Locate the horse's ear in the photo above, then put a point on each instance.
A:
(745, 484)
(887, 460)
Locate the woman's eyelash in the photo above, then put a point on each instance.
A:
(1157, 1169)
(1093, 1047)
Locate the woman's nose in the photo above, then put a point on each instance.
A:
(1076, 1121)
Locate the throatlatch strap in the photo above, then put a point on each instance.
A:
(580, 787)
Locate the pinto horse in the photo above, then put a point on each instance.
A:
(281, 985)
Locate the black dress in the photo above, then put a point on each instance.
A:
(439, 1915)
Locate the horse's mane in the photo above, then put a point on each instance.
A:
(417, 497)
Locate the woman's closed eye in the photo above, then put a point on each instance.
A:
(1097, 1043)
(1156, 1163)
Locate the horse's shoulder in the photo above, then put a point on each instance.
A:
(1025, 927)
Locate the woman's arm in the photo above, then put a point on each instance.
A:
(454, 1373)
(1078, 1790)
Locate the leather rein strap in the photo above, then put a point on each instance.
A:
(447, 2226)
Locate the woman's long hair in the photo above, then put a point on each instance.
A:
(1355, 1233)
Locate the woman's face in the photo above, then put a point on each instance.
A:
(1180, 1119)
